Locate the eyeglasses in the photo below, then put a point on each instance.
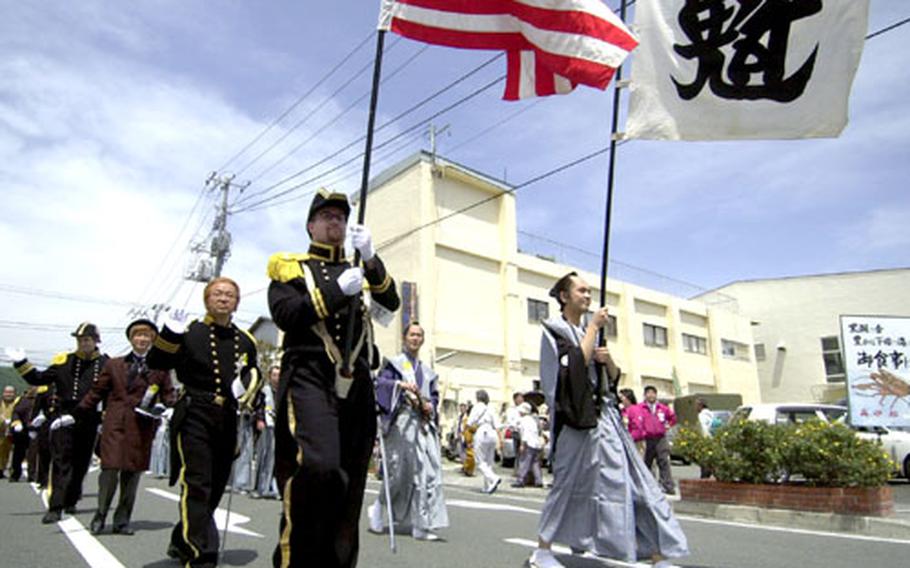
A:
(330, 216)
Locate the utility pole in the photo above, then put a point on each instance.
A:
(214, 251)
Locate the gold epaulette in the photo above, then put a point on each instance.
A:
(42, 389)
(285, 266)
(60, 358)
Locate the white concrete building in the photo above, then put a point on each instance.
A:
(797, 329)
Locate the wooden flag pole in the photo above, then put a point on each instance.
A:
(364, 186)
(602, 338)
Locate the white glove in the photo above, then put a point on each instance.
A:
(362, 241)
(63, 422)
(32, 435)
(167, 413)
(15, 354)
(17, 428)
(39, 420)
(269, 421)
(237, 388)
(176, 321)
(351, 281)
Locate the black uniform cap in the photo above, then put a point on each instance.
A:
(87, 329)
(140, 321)
(325, 198)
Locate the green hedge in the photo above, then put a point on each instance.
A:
(815, 453)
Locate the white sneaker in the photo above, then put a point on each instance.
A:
(495, 486)
(428, 536)
(543, 558)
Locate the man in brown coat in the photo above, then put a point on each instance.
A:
(126, 383)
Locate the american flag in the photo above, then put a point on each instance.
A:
(551, 45)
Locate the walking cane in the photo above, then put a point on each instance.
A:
(227, 516)
(385, 481)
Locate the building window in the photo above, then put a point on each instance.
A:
(834, 362)
(734, 349)
(611, 326)
(760, 352)
(655, 335)
(538, 311)
(695, 344)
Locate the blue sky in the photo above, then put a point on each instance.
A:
(113, 115)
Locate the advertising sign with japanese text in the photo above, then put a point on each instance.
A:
(877, 363)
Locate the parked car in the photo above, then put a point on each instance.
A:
(793, 412)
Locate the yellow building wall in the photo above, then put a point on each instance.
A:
(473, 286)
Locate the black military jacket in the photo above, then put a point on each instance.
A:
(71, 374)
(296, 308)
(206, 357)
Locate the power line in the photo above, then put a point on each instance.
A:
(388, 123)
(337, 117)
(512, 190)
(888, 28)
(299, 100)
(266, 201)
(366, 66)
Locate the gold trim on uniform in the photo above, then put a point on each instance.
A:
(285, 540)
(285, 266)
(166, 345)
(25, 369)
(379, 289)
(184, 491)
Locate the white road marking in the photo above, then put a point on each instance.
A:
(792, 530)
(489, 506)
(220, 514)
(94, 553)
(558, 549)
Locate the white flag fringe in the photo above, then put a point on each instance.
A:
(744, 69)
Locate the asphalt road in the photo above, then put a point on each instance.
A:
(485, 532)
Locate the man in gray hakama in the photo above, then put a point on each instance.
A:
(603, 501)
(407, 394)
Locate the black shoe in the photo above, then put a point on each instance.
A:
(97, 524)
(51, 517)
(124, 530)
(517, 485)
(176, 553)
(71, 510)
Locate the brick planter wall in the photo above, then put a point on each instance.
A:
(868, 501)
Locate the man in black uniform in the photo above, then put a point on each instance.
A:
(72, 442)
(326, 423)
(216, 363)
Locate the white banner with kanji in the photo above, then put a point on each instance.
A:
(744, 69)
(877, 363)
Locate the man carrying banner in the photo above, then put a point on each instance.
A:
(72, 441)
(126, 383)
(406, 390)
(216, 363)
(326, 423)
(603, 498)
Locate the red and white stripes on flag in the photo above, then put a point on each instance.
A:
(552, 45)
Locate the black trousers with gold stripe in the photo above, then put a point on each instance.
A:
(71, 454)
(205, 438)
(322, 451)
